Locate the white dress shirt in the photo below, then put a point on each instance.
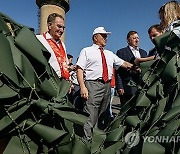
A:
(91, 62)
(135, 52)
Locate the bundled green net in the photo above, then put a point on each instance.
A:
(36, 116)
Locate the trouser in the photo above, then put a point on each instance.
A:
(106, 117)
(99, 99)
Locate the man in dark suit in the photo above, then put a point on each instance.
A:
(129, 53)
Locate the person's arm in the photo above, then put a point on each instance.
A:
(80, 78)
(119, 62)
(126, 65)
(140, 60)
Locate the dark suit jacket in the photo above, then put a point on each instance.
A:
(122, 75)
(152, 52)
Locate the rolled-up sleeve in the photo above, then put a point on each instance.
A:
(117, 62)
(81, 62)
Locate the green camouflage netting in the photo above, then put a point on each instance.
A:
(36, 116)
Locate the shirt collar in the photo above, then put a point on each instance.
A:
(49, 37)
(95, 46)
(133, 49)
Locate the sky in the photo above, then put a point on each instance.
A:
(117, 16)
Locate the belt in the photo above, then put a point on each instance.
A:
(100, 80)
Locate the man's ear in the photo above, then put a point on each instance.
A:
(95, 37)
(49, 25)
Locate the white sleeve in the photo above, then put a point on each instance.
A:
(117, 62)
(81, 62)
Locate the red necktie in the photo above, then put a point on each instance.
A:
(104, 64)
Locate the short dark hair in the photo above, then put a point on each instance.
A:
(69, 56)
(131, 33)
(53, 16)
(157, 27)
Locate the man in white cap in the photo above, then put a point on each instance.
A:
(94, 72)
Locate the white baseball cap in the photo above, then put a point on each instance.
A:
(100, 30)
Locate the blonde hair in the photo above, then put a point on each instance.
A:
(168, 13)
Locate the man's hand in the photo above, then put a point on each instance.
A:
(127, 65)
(121, 91)
(80, 78)
(84, 92)
(136, 69)
(71, 88)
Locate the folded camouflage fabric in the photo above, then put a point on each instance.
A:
(36, 116)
